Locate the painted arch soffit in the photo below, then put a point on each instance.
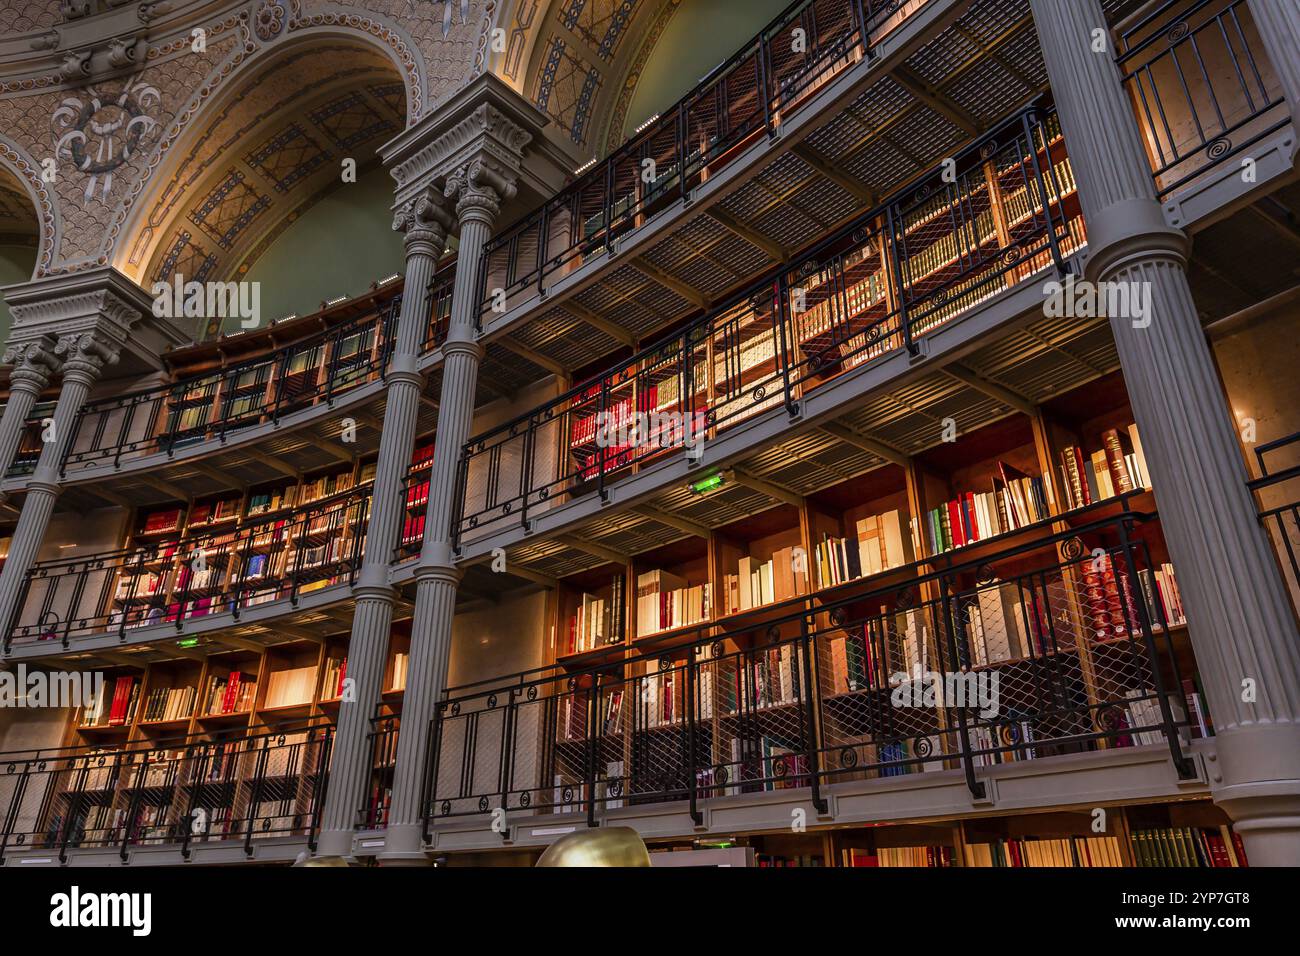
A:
(577, 61)
(126, 148)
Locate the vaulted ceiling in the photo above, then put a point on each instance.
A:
(275, 145)
(18, 223)
(577, 61)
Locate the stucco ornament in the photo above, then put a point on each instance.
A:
(102, 132)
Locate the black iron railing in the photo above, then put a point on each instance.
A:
(1057, 643)
(438, 307)
(1202, 87)
(180, 793)
(277, 556)
(212, 408)
(1003, 211)
(749, 95)
(1277, 493)
(382, 744)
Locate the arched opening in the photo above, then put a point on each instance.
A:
(19, 239)
(697, 38)
(281, 184)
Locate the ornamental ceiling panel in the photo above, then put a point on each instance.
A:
(272, 148)
(18, 223)
(120, 194)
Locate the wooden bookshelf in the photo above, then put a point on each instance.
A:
(673, 589)
(593, 623)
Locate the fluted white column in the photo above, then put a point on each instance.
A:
(84, 357)
(479, 189)
(1279, 29)
(426, 222)
(33, 365)
(1241, 625)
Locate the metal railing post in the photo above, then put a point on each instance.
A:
(976, 787)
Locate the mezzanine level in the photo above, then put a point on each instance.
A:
(717, 729)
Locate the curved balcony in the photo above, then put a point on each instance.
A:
(744, 98)
(804, 695)
(218, 797)
(208, 579)
(1005, 213)
(163, 434)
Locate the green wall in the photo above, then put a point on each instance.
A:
(16, 265)
(338, 247)
(699, 36)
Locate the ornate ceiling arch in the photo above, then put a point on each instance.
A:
(28, 214)
(254, 158)
(113, 133)
(577, 61)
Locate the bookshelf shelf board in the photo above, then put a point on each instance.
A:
(172, 724)
(283, 711)
(103, 728)
(232, 717)
(671, 635)
(606, 654)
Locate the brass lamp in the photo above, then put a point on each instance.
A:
(603, 846)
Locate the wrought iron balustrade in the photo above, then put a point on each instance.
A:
(438, 307)
(749, 95)
(1202, 87)
(167, 793)
(953, 669)
(1002, 213)
(223, 569)
(382, 745)
(1277, 492)
(215, 406)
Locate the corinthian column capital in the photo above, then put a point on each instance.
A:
(426, 221)
(34, 363)
(86, 354)
(479, 187)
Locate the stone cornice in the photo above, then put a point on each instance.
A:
(485, 121)
(100, 301)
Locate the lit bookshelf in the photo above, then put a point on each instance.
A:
(593, 614)
(673, 588)
(763, 560)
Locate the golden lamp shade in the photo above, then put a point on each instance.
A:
(603, 846)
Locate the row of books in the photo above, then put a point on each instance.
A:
(1207, 847)
(232, 694)
(782, 577)
(997, 626)
(1105, 473)
(170, 703)
(931, 857)
(1016, 501)
(401, 665)
(336, 670)
(114, 708)
(290, 686)
(871, 652)
(598, 621)
(214, 512)
(209, 512)
(1075, 851)
(665, 601)
(883, 542)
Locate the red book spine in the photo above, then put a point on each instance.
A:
(232, 693)
(954, 520)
